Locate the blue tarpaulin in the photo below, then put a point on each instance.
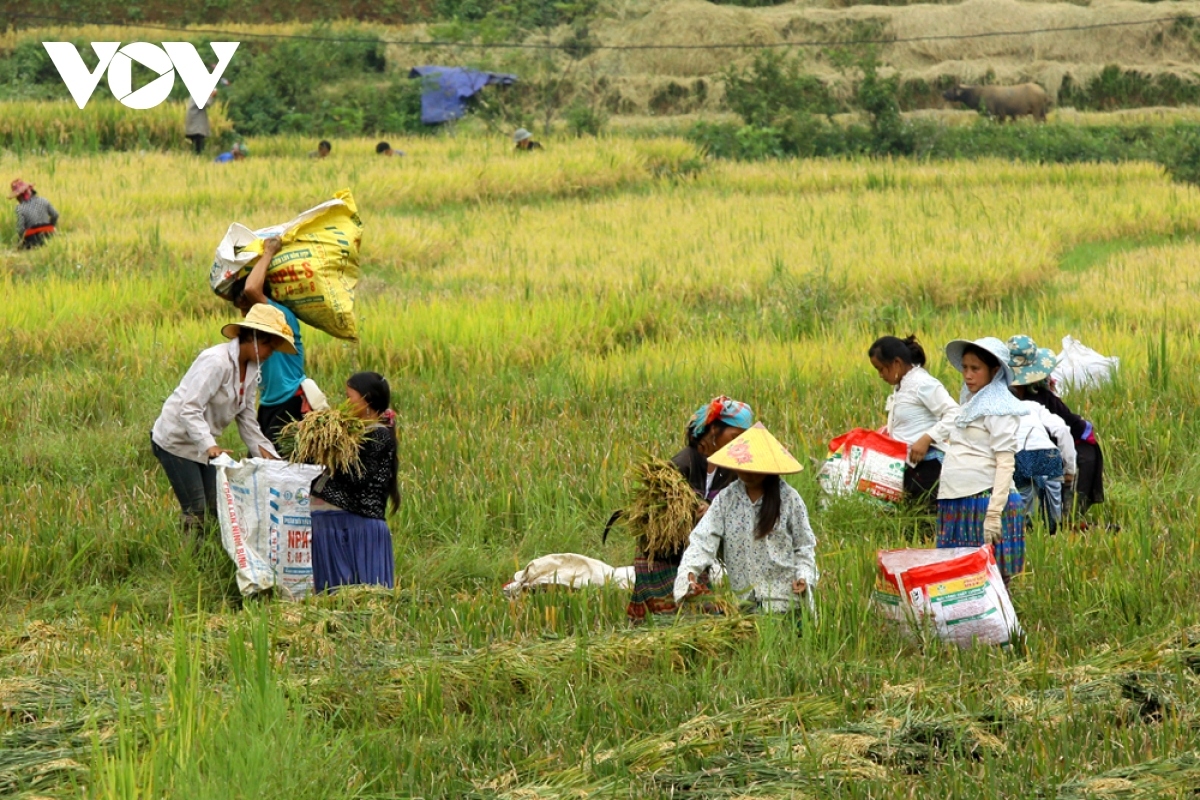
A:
(446, 89)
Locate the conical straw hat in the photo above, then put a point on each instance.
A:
(756, 451)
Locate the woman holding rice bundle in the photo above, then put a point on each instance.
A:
(762, 523)
(712, 426)
(977, 503)
(218, 389)
(919, 413)
(351, 541)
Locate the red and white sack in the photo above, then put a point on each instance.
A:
(865, 461)
(266, 526)
(956, 590)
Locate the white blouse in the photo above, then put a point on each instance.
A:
(970, 465)
(209, 397)
(758, 569)
(920, 405)
(1038, 426)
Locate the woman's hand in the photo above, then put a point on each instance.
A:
(919, 449)
(215, 451)
(265, 453)
(272, 246)
(701, 510)
(1068, 479)
(694, 586)
(993, 529)
(799, 586)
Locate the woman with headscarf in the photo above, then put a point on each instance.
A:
(977, 503)
(36, 218)
(219, 388)
(1087, 488)
(713, 425)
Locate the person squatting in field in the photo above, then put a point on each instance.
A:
(713, 425)
(1045, 459)
(282, 399)
(36, 218)
(351, 541)
(919, 413)
(217, 389)
(1087, 489)
(762, 523)
(977, 502)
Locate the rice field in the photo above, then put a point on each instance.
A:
(546, 322)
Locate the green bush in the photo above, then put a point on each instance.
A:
(1116, 88)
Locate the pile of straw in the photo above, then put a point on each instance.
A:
(662, 508)
(328, 438)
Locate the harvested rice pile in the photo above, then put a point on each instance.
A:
(662, 508)
(327, 438)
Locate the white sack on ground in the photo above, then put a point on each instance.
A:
(568, 569)
(1081, 367)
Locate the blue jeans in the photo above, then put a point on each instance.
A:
(195, 485)
(1047, 495)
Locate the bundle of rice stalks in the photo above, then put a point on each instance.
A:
(328, 438)
(663, 507)
(1163, 777)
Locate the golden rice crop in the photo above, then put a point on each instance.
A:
(328, 438)
(662, 507)
(100, 125)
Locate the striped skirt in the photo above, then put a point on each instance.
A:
(960, 524)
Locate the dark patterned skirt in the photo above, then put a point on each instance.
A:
(960, 524)
(653, 586)
(348, 549)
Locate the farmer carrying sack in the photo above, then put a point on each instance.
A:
(266, 526)
(315, 272)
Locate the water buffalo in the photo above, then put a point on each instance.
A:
(1003, 102)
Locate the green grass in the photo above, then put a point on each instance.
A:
(129, 668)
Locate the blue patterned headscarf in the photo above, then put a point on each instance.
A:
(995, 399)
(723, 409)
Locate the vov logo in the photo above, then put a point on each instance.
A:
(118, 60)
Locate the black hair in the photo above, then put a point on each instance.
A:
(382, 148)
(324, 143)
(887, 349)
(693, 440)
(772, 503)
(983, 355)
(377, 394)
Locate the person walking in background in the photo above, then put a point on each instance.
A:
(977, 503)
(36, 218)
(919, 413)
(324, 148)
(351, 541)
(218, 388)
(196, 123)
(524, 140)
(1087, 489)
(281, 396)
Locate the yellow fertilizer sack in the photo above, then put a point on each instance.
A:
(316, 270)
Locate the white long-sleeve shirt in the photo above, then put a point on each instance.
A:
(1038, 426)
(209, 397)
(920, 405)
(767, 566)
(970, 464)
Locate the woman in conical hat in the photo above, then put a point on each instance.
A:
(770, 549)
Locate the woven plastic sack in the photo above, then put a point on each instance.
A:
(266, 525)
(316, 271)
(1081, 367)
(865, 461)
(957, 590)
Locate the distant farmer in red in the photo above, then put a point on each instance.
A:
(36, 218)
